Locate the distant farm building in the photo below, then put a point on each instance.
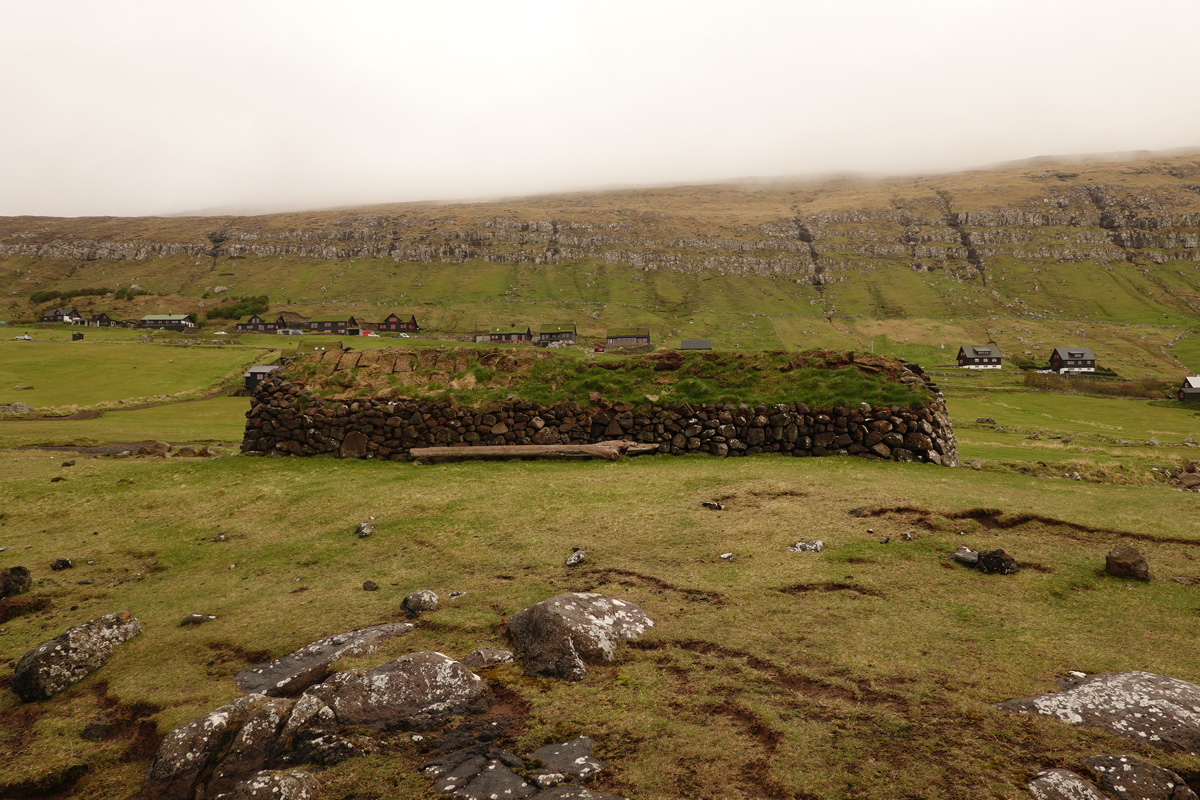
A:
(556, 333)
(979, 356)
(627, 337)
(337, 325)
(1190, 391)
(696, 344)
(169, 322)
(1072, 359)
(256, 375)
(512, 333)
(393, 322)
(100, 320)
(255, 323)
(62, 315)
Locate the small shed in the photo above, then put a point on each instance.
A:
(1190, 390)
(696, 344)
(1072, 359)
(979, 356)
(256, 375)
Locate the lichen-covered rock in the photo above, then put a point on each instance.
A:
(69, 657)
(419, 602)
(486, 657)
(573, 758)
(495, 781)
(1129, 778)
(189, 752)
(1124, 561)
(250, 749)
(295, 672)
(1153, 709)
(558, 636)
(413, 691)
(572, 792)
(1062, 784)
(966, 556)
(292, 784)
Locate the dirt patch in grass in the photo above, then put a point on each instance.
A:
(657, 585)
(54, 786)
(853, 588)
(13, 607)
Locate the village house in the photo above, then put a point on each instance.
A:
(394, 322)
(337, 325)
(627, 337)
(1190, 391)
(556, 333)
(985, 356)
(170, 322)
(255, 323)
(696, 344)
(256, 375)
(512, 333)
(62, 315)
(99, 320)
(1072, 359)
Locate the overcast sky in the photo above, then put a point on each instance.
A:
(127, 107)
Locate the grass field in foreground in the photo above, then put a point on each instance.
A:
(867, 670)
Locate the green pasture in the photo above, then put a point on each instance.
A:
(218, 419)
(866, 670)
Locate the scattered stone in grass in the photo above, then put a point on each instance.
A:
(727, 556)
(975, 464)
(370, 586)
(295, 672)
(197, 619)
(486, 657)
(906, 536)
(220, 537)
(966, 556)
(857, 512)
(1075, 476)
(456, 595)
(885, 540)
(576, 558)
(815, 546)
(57, 479)
(1062, 784)
(124, 482)
(714, 505)
(1124, 561)
(1147, 708)
(61, 563)
(96, 730)
(997, 562)
(419, 602)
(364, 530)
(556, 637)
(985, 421)
(69, 463)
(54, 665)
(1129, 778)
(14, 580)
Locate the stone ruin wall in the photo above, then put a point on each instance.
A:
(286, 418)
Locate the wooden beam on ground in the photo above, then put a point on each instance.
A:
(609, 450)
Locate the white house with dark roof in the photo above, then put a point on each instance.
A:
(986, 356)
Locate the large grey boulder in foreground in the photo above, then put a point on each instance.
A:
(295, 672)
(557, 636)
(71, 656)
(1160, 711)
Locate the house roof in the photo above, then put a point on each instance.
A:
(398, 315)
(511, 329)
(557, 328)
(1074, 353)
(614, 333)
(1191, 383)
(333, 318)
(260, 369)
(166, 317)
(246, 320)
(292, 316)
(981, 351)
(696, 344)
(64, 311)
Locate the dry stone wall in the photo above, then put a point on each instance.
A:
(287, 418)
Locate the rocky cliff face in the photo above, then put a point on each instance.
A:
(1145, 212)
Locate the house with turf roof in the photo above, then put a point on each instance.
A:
(394, 322)
(695, 344)
(99, 319)
(556, 333)
(986, 356)
(256, 323)
(338, 325)
(168, 322)
(511, 333)
(627, 337)
(1072, 359)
